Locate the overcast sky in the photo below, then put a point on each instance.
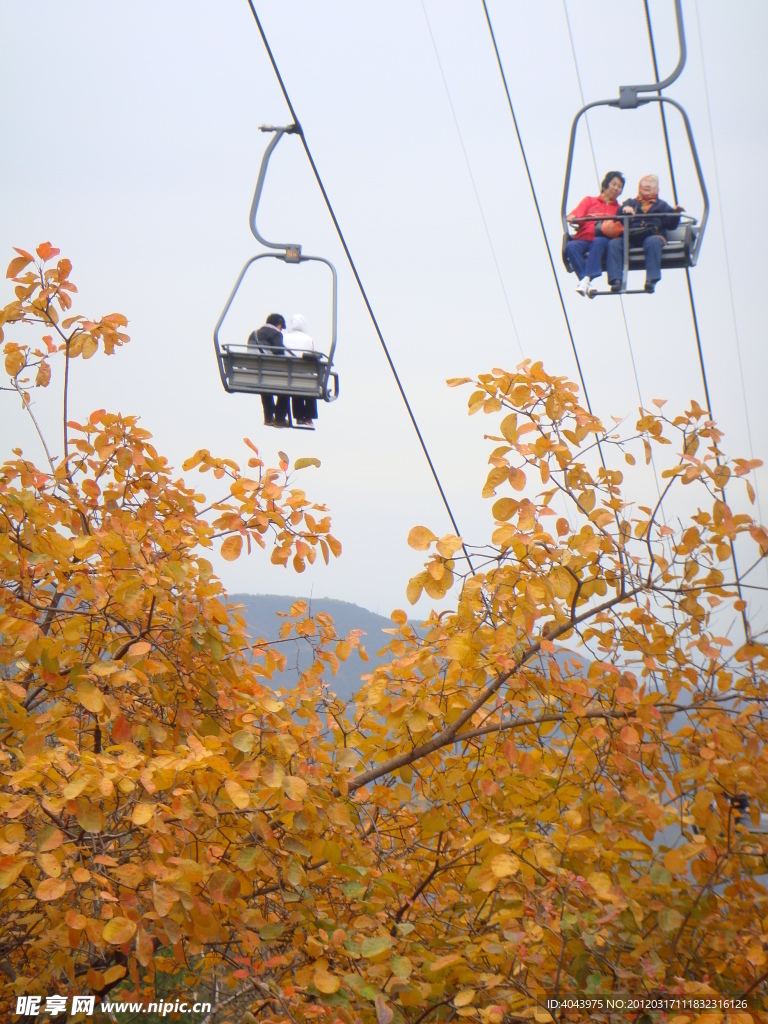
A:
(131, 142)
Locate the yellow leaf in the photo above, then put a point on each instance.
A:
(142, 813)
(600, 882)
(509, 427)
(232, 547)
(420, 538)
(114, 973)
(325, 982)
(504, 865)
(119, 930)
(414, 588)
(50, 865)
(294, 787)
(448, 545)
(90, 696)
(465, 997)
(237, 794)
(273, 775)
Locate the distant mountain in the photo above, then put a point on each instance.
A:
(261, 614)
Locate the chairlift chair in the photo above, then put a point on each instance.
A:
(265, 370)
(684, 241)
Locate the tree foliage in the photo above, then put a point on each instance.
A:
(540, 793)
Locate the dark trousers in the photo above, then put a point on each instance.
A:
(652, 244)
(586, 257)
(275, 408)
(304, 408)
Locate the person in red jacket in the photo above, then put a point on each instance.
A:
(585, 252)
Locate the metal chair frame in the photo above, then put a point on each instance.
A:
(630, 99)
(246, 369)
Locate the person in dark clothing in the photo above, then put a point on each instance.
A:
(269, 338)
(651, 219)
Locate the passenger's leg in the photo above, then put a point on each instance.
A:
(281, 408)
(268, 405)
(575, 253)
(297, 407)
(614, 261)
(596, 257)
(652, 246)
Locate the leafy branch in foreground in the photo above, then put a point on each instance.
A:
(553, 789)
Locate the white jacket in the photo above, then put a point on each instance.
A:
(296, 339)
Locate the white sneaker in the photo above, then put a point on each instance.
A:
(583, 286)
(591, 290)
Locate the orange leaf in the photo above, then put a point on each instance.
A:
(51, 889)
(16, 265)
(46, 251)
(232, 547)
(144, 948)
(224, 887)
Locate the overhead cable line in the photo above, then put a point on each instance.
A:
(727, 260)
(472, 178)
(674, 194)
(546, 240)
(744, 619)
(538, 213)
(300, 133)
(621, 297)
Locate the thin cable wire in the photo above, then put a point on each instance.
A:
(674, 193)
(472, 178)
(581, 90)
(544, 234)
(541, 219)
(621, 297)
(300, 132)
(744, 619)
(727, 260)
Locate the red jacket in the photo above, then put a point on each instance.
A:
(592, 206)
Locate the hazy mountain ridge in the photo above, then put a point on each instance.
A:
(261, 614)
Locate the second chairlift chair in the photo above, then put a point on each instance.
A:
(263, 371)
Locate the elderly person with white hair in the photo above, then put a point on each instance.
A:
(651, 219)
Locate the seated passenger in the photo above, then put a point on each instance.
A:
(651, 219)
(586, 250)
(299, 343)
(269, 339)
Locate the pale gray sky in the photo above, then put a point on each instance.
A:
(131, 143)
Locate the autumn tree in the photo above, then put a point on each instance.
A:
(553, 790)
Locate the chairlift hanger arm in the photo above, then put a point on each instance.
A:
(628, 94)
(291, 129)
